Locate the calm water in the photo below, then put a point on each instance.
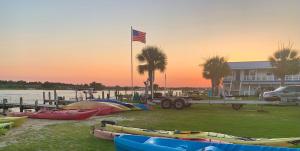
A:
(29, 96)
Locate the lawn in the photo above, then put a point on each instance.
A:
(274, 122)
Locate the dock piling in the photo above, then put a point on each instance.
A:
(44, 97)
(4, 105)
(102, 94)
(21, 104)
(36, 106)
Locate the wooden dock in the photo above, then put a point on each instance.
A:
(52, 104)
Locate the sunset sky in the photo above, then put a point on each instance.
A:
(80, 41)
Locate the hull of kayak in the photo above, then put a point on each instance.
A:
(88, 105)
(198, 135)
(144, 143)
(116, 102)
(64, 114)
(17, 121)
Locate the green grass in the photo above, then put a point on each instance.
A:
(274, 122)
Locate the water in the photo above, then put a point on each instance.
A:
(29, 96)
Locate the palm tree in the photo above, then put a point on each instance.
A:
(215, 69)
(285, 61)
(151, 58)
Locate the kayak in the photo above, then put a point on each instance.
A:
(102, 133)
(87, 105)
(64, 114)
(116, 102)
(146, 143)
(17, 121)
(199, 135)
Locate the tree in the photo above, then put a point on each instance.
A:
(97, 86)
(215, 69)
(151, 58)
(285, 61)
(155, 87)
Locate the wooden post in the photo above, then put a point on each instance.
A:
(4, 105)
(44, 97)
(102, 94)
(55, 99)
(108, 95)
(116, 95)
(49, 95)
(76, 95)
(36, 107)
(21, 104)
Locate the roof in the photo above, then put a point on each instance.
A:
(250, 65)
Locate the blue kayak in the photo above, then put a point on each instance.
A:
(144, 143)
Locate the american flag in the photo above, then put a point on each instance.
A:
(138, 36)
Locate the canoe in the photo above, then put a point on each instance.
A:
(17, 121)
(64, 114)
(146, 143)
(199, 135)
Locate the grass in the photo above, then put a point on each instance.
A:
(274, 122)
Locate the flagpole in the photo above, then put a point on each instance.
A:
(131, 61)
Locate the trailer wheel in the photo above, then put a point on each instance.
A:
(166, 104)
(237, 106)
(179, 104)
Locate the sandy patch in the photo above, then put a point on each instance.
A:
(36, 124)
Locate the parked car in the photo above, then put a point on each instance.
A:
(287, 93)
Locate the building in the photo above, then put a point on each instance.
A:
(248, 78)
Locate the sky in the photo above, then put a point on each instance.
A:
(80, 41)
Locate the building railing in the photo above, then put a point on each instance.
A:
(265, 78)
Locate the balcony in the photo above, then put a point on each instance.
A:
(271, 78)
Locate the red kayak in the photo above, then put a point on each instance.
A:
(63, 114)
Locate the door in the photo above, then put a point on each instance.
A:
(290, 93)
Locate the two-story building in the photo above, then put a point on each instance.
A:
(248, 77)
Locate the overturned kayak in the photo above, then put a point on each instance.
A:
(64, 114)
(116, 102)
(128, 105)
(145, 143)
(104, 108)
(199, 135)
(16, 121)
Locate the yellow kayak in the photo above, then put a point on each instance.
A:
(17, 121)
(93, 105)
(198, 135)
